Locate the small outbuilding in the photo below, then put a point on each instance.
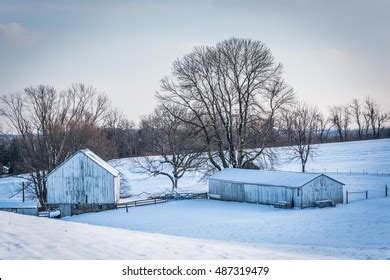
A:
(272, 187)
(83, 183)
(26, 208)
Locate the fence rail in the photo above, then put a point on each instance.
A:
(365, 193)
(348, 193)
(161, 199)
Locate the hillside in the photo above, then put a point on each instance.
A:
(27, 237)
(361, 165)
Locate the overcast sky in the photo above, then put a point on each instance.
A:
(332, 51)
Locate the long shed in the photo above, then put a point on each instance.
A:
(83, 179)
(270, 187)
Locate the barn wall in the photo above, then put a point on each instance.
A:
(265, 194)
(227, 190)
(81, 180)
(251, 193)
(117, 184)
(322, 188)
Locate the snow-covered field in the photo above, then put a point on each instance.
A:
(222, 230)
(215, 229)
(358, 230)
(361, 165)
(27, 237)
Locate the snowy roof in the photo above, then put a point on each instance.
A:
(265, 177)
(96, 159)
(18, 204)
(100, 161)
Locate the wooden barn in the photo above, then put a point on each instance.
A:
(275, 187)
(83, 183)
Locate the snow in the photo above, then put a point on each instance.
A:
(27, 237)
(265, 177)
(206, 229)
(11, 189)
(359, 230)
(360, 165)
(369, 156)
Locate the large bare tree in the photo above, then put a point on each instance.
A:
(52, 125)
(232, 93)
(173, 146)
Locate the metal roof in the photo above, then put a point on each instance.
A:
(265, 177)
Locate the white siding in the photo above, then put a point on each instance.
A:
(82, 180)
(320, 188)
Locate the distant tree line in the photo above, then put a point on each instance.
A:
(221, 106)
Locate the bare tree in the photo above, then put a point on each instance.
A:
(357, 114)
(375, 117)
(174, 145)
(302, 125)
(322, 128)
(51, 126)
(232, 93)
(340, 120)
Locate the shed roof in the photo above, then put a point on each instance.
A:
(18, 204)
(94, 157)
(265, 177)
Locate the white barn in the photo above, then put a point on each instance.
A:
(84, 178)
(271, 187)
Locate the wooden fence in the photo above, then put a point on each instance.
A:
(348, 193)
(365, 194)
(161, 199)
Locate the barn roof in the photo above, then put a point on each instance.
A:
(100, 161)
(265, 177)
(94, 157)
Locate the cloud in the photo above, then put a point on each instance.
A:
(16, 33)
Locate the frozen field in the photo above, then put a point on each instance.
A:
(206, 229)
(361, 165)
(358, 230)
(27, 237)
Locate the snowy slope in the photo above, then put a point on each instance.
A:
(27, 237)
(370, 156)
(361, 165)
(358, 230)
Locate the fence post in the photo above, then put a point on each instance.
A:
(386, 190)
(366, 194)
(155, 201)
(23, 190)
(127, 209)
(346, 197)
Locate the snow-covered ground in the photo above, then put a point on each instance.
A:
(370, 156)
(361, 165)
(222, 230)
(358, 230)
(27, 237)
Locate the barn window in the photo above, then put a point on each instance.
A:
(298, 193)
